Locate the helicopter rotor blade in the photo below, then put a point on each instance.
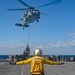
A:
(24, 3)
(15, 9)
(44, 13)
(54, 2)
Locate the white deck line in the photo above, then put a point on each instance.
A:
(2, 63)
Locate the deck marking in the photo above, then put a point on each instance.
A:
(22, 73)
(2, 63)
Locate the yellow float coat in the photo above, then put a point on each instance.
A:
(37, 64)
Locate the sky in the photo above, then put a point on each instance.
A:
(54, 34)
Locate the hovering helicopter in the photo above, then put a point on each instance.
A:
(31, 14)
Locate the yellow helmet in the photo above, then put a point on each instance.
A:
(38, 52)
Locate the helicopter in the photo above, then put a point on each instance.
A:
(31, 13)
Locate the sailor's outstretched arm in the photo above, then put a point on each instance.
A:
(24, 62)
(51, 62)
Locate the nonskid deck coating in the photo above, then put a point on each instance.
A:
(66, 69)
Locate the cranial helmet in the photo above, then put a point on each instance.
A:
(38, 52)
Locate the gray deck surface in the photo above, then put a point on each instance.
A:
(67, 69)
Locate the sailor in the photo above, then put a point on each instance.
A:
(37, 62)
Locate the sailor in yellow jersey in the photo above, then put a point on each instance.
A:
(37, 63)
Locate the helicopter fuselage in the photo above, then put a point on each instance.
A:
(31, 15)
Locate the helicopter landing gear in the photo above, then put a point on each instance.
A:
(37, 21)
(23, 28)
(21, 19)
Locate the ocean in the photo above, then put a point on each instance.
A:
(60, 56)
(4, 56)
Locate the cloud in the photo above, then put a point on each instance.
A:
(55, 47)
(63, 44)
(57, 44)
(11, 46)
(44, 45)
(72, 34)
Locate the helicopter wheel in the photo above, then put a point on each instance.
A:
(37, 21)
(23, 28)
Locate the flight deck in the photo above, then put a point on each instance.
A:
(66, 69)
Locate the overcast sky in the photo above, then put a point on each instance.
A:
(54, 34)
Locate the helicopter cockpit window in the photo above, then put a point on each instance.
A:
(28, 13)
(37, 12)
(34, 11)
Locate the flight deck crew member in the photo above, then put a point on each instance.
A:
(37, 63)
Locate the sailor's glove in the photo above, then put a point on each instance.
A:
(14, 63)
(60, 63)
